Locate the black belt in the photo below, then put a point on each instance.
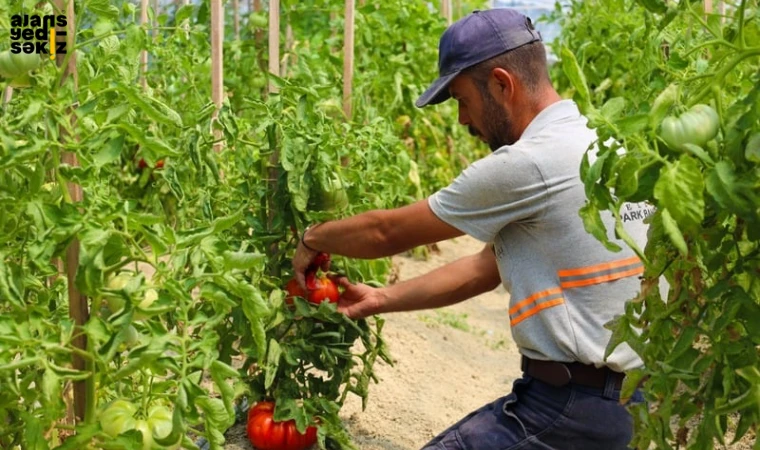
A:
(559, 374)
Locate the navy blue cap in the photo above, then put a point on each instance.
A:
(474, 39)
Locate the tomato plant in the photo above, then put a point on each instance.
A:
(180, 269)
(267, 434)
(696, 336)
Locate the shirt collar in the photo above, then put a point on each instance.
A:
(562, 109)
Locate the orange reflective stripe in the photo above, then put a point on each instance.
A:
(603, 278)
(599, 267)
(535, 310)
(533, 298)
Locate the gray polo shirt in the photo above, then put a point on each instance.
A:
(564, 285)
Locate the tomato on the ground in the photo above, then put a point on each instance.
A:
(266, 434)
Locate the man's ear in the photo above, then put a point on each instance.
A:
(505, 83)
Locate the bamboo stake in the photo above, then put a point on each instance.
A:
(446, 10)
(288, 47)
(271, 169)
(217, 69)
(258, 37)
(144, 54)
(236, 18)
(348, 58)
(7, 95)
(154, 22)
(78, 307)
(274, 41)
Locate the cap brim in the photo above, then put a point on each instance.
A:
(438, 92)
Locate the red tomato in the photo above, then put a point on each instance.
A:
(266, 434)
(325, 290)
(143, 164)
(320, 290)
(294, 290)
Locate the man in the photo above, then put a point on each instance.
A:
(523, 201)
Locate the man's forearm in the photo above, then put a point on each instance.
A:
(452, 283)
(359, 236)
(380, 233)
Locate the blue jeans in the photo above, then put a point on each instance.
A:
(537, 415)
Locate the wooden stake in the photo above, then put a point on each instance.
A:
(236, 18)
(217, 70)
(144, 54)
(348, 57)
(446, 10)
(7, 95)
(154, 22)
(78, 307)
(288, 48)
(274, 41)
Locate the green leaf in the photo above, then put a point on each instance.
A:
(621, 332)
(631, 383)
(288, 409)
(684, 342)
(654, 6)
(154, 108)
(185, 12)
(217, 420)
(242, 260)
(612, 108)
(103, 8)
(724, 186)
(110, 152)
(675, 235)
(273, 363)
(221, 373)
(592, 222)
(680, 190)
(627, 180)
(752, 151)
(577, 79)
(699, 153)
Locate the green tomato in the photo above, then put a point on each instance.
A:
(118, 417)
(14, 65)
(752, 151)
(150, 296)
(132, 336)
(333, 195)
(157, 426)
(8, 68)
(696, 126)
(116, 302)
(258, 20)
(26, 62)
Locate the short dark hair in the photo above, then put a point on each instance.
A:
(527, 62)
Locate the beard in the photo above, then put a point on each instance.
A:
(497, 124)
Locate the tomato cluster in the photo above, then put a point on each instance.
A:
(266, 434)
(119, 417)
